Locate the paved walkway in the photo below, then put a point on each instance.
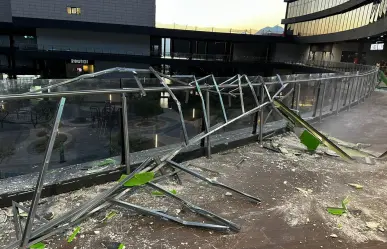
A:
(364, 123)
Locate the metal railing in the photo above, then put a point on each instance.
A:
(313, 95)
(96, 102)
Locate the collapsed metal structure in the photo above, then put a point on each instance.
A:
(33, 233)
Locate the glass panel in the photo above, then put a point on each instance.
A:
(87, 133)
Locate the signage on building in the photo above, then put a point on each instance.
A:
(77, 61)
(377, 46)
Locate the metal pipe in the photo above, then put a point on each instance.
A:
(165, 216)
(176, 101)
(241, 94)
(322, 101)
(298, 93)
(261, 124)
(102, 197)
(351, 85)
(214, 129)
(39, 184)
(126, 132)
(197, 209)
(316, 98)
(212, 182)
(92, 75)
(339, 99)
(334, 96)
(208, 124)
(143, 93)
(33, 95)
(16, 221)
(252, 90)
(356, 89)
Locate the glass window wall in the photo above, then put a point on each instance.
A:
(304, 7)
(350, 20)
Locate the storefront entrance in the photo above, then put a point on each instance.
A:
(76, 67)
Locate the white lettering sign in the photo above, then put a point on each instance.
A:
(377, 46)
(75, 61)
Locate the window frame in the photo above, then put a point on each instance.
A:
(73, 10)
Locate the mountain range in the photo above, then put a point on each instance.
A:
(272, 30)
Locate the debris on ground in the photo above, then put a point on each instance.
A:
(305, 192)
(240, 162)
(3, 216)
(333, 235)
(310, 141)
(106, 162)
(372, 225)
(356, 186)
(314, 181)
(74, 234)
(161, 194)
(109, 215)
(336, 210)
(138, 179)
(39, 245)
(369, 161)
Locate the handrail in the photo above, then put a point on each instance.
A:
(35, 95)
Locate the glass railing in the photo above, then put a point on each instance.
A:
(90, 129)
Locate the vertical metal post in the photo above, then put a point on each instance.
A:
(351, 83)
(362, 88)
(16, 221)
(322, 100)
(126, 132)
(373, 82)
(346, 95)
(317, 96)
(368, 86)
(334, 95)
(209, 123)
(261, 118)
(357, 87)
(298, 93)
(241, 94)
(42, 174)
(256, 116)
(340, 83)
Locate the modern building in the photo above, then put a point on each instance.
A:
(339, 30)
(59, 39)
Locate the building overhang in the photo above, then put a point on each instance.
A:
(23, 23)
(342, 8)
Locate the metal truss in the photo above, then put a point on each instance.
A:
(34, 232)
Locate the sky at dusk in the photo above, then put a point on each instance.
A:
(239, 14)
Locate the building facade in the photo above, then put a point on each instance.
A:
(66, 38)
(339, 30)
(126, 12)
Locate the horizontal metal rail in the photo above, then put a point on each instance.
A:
(161, 89)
